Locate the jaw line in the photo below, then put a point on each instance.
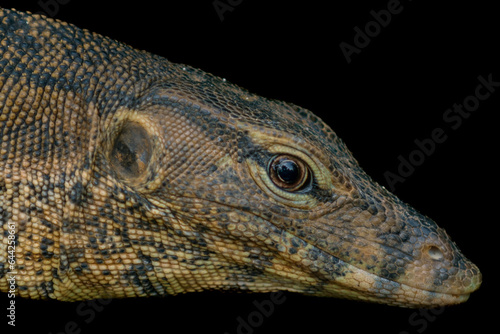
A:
(402, 294)
(378, 289)
(373, 288)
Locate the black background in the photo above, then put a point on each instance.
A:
(394, 91)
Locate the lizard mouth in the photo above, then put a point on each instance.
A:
(420, 285)
(352, 282)
(312, 266)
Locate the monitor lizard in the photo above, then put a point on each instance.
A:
(125, 175)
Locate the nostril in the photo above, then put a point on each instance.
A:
(435, 253)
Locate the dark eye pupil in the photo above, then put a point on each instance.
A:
(287, 171)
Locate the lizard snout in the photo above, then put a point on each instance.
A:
(414, 261)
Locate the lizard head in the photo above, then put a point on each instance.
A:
(240, 192)
(124, 175)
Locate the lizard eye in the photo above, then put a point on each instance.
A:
(131, 151)
(289, 173)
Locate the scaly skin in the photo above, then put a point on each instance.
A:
(124, 175)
